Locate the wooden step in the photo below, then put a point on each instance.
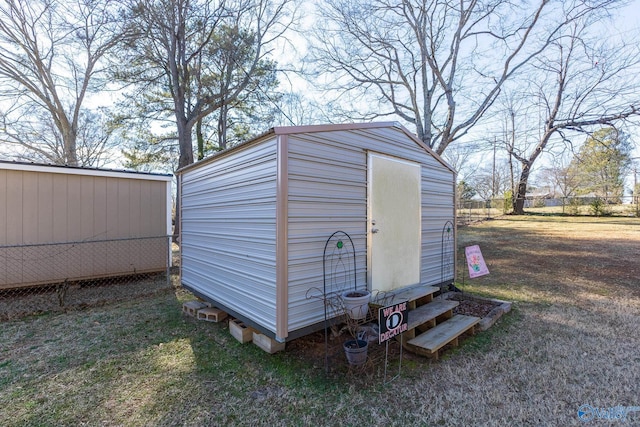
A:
(410, 295)
(428, 312)
(446, 332)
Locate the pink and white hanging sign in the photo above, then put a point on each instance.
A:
(475, 261)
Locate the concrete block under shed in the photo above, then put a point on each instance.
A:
(240, 331)
(211, 314)
(267, 344)
(191, 307)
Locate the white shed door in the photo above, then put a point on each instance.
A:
(394, 223)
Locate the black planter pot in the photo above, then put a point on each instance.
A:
(356, 351)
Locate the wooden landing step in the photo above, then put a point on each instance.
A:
(411, 294)
(427, 312)
(415, 296)
(446, 332)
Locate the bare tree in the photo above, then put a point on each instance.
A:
(437, 64)
(562, 178)
(52, 55)
(581, 81)
(192, 58)
(297, 109)
(462, 158)
(491, 183)
(182, 55)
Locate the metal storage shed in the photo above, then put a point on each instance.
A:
(255, 219)
(60, 223)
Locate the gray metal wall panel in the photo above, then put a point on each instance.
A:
(229, 231)
(229, 208)
(328, 192)
(438, 200)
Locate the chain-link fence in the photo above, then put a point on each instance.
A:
(586, 205)
(477, 210)
(60, 276)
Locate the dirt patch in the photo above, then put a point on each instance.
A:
(64, 297)
(487, 309)
(19, 303)
(471, 306)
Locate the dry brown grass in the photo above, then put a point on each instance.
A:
(571, 339)
(577, 284)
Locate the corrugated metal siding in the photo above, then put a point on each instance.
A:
(438, 199)
(328, 192)
(229, 231)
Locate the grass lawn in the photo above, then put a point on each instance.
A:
(571, 339)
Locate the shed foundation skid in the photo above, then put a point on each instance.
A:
(211, 314)
(240, 331)
(267, 344)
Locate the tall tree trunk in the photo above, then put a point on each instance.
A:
(222, 127)
(200, 139)
(512, 183)
(68, 136)
(185, 142)
(70, 149)
(521, 190)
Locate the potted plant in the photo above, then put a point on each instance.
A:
(356, 307)
(356, 350)
(356, 303)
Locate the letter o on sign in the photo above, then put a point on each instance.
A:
(394, 320)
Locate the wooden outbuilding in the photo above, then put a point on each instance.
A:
(60, 223)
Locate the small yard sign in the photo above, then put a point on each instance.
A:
(392, 321)
(475, 261)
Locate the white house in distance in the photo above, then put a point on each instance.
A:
(255, 219)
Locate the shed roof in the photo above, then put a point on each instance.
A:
(78, 170)
(289, 130)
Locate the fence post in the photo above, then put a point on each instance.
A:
(169, 259)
